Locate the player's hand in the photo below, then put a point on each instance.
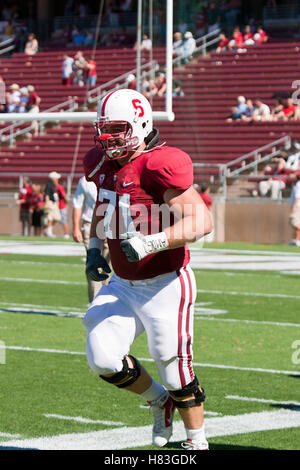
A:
(138, 246)
(134, 247)
(95, 261)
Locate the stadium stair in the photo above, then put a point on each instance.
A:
(211, 86)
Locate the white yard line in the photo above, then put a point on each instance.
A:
(132, 437)
(42, 281)
(80, 419)
(263, 400)
(254, 294)
(196, 364)
(250, 322)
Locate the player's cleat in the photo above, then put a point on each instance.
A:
(195, 445)
(163, 411)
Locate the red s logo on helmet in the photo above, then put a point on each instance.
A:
(138, 107)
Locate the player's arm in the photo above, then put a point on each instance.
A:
(191, 221)
(192, 218)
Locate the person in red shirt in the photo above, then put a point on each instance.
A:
(223, 43)
(260, 37)
(24, 202)
(37, 209)
(91, 71)
(148, 211)
(63, 208)
(237, 39)
(207, 199)
(248, 36)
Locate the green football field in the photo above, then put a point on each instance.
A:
(246, 356)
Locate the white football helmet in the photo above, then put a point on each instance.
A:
(124, 120)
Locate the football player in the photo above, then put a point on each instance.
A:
(148, 210)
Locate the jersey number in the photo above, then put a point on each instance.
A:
(108, 224)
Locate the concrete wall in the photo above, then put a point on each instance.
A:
(249, 220)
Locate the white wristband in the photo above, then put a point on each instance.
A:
(95, 243)
(156, 242)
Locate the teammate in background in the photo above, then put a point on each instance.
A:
(24, 202)
(83, 207)
(153, 288)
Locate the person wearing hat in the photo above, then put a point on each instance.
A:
(13, 98)
(24, 97)
(189, 45)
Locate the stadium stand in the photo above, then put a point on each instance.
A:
(211, 85)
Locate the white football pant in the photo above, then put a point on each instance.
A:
(163, 307)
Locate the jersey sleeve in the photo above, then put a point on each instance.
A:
(92, 162)
(170, 169)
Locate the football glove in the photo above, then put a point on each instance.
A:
(95, 261)
(138, 246)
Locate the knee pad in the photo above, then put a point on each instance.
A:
(189, 396)
(127, 376)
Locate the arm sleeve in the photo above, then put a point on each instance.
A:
(174, 170)
(78, 198)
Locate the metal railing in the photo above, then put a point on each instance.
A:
(247, 162)
(202, 44)
(95, 94)
(5, 47)
(11, 132)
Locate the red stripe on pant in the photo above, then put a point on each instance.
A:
(186, 292)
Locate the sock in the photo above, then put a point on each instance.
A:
(196, 434)
(153, 392)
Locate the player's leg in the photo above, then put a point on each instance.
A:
(112, 327)
(170, 339)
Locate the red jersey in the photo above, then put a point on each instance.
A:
(129, 199)
(25, 195)
(61, 196)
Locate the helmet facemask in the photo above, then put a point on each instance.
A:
(115, 138)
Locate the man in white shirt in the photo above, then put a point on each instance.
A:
(67, 69)
(295, 211)
(262, 111)
(84, 201)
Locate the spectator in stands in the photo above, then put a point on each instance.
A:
(146, 44)
(67, 69)
(295, 210)
(23, 202)
(13, 98)
(275, 182)
(248, 36)
(201, 19)
(160, 84)
(24, 98)
(177, 88)
(276, 110)
(237, 40)
(88, 39)
(146, 87)
(32, 45)
(91, 71)
(262, 111)
(78, 38)
(288, 110)
(79, 66)
(213, 17)
(188, 47)
(260, 37)
(131, 81)
(223, 44)
(177, 43)
(238, 111)
(248, 115)
(34, 106)
(51, 203)
(37, 209)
